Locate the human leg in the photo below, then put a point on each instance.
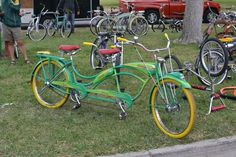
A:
(11, 51)
(22, 48)
(71, 18)
(6, 49)
(9, 42)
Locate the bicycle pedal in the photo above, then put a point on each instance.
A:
(122, 116)
(122, 90)
(217, 108)
(76, 106)
(229, 77)
(98, 68)
(79, 81)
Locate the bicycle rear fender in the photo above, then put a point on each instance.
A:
(59, 60)
(178, 77)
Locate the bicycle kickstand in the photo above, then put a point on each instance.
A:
(215, 108)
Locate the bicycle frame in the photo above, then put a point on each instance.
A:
(54, 79)
(35, 21)
(151, 71)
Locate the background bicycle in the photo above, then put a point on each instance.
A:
(37, 31)
(171, 102)
(60, 23)
(131, 22)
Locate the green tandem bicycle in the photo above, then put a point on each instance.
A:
(55, 79)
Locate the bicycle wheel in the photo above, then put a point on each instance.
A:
(93, 24)
(105, 25)
(172, 63)
(46, 93)
(160, 27)
(204, 77)
(138, 26)
(97, 60)
(173, 108)
(212, 63)
(121, 25)
(178, 26)
(66, 29)
(52, 27)
(37, 33)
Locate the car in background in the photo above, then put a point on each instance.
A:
(172, 9)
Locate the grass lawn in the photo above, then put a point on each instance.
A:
(27, 129)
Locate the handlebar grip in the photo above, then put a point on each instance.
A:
(226, 40)
(167, 37)
(122, 39)
(113, 46)
(87, 43)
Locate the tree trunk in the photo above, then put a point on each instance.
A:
(192, 22)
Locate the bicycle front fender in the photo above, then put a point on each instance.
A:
(179, 79)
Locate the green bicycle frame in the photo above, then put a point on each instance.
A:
(148, 70)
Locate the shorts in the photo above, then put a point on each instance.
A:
(11, 34)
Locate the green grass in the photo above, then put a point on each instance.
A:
(27, 129)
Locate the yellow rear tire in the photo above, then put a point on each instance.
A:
(47, 94)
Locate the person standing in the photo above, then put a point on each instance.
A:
(70, 7)
(12, 28)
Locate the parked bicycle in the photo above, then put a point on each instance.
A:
(218, 56)
(132, 22)
(162, 24)
(60, 23)
(171, 102)
(36, 31)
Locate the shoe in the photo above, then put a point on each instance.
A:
(27, 61)
(13, 62)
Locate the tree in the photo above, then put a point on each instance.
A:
(192, 22)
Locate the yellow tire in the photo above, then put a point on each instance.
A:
(47, 94)
(174, 112)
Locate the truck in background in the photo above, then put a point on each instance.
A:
(172, 9)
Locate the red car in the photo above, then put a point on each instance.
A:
(170, 8)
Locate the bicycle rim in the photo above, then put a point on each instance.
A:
(161, 27)
(105, 25)
(51, 29)
(172, 63)
(37, 34)
(138, 26)
(204, 77)
(121, 25)
(47, 94)
(214, 57)
(66, 30)
(173, 112)
(93, 24)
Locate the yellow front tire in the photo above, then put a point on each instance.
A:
(173, 108)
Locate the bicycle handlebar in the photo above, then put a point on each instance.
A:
(89, 44)
(142, 46)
